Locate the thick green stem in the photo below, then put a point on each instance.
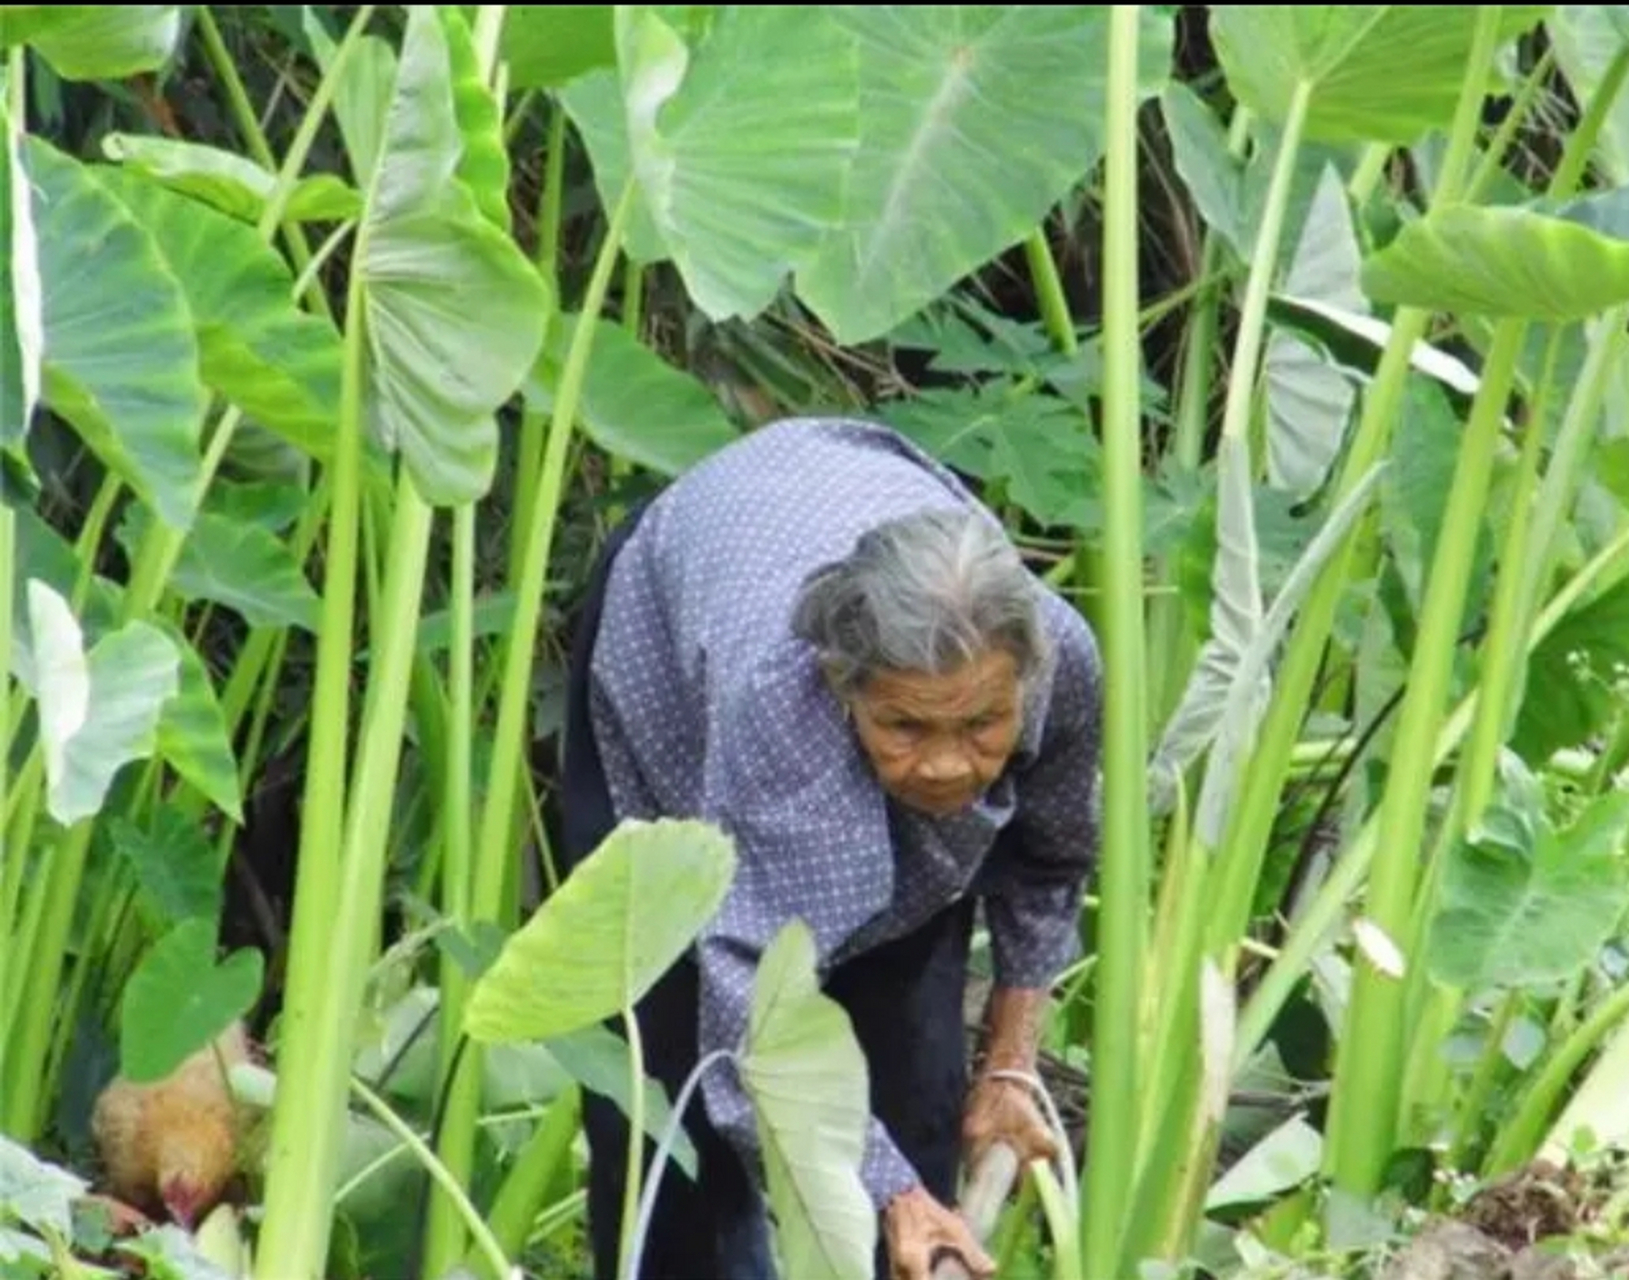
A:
(1326, 910)
(514, 707)
(457, 1145)
(1054, 304)
(302, 1157)
(1519, 1140)
(1124, 859)
(1364, 1103)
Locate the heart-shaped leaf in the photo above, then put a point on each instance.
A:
(192, 734)
(244, 567)
(121, 362)
(179, 1000)
(98, 711)
(455, 312)
(961, 149)
(1377, 72)
(634, 404)
(278, 363)
(616, 924)
(173, 864)
(741, 154)
(231, 183)
(1534, 905)
(807, 1079)
(95, 41)
(1543, 262)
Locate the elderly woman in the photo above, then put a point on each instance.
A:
(820, 641)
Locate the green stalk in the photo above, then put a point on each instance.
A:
(1473, 1102)
(12, 855)
(1250, 821)
(444, 1180)
(497, 815)
(535, 1171)
(302, 1156)
(1049, 294)
(1581, 141)
(456, 1148)
(1326, 911)
(1519, 1140)
(9, 853)
(1171, 1160)
(315, 1097)
(1505, 134)
(1124, 863)
(1507, 624)
(533, 424)
(1364, 1103)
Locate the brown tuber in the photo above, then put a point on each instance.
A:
(171, 1145)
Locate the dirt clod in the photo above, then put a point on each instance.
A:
(1532, 1204)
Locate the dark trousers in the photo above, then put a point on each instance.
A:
(904, 1001)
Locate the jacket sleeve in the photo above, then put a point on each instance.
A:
(1032, 886)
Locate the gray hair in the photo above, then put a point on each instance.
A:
(927, 592)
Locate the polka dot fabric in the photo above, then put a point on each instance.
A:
(706, 706)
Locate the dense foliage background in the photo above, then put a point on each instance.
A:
(1287, 340)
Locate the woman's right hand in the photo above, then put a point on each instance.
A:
(919, 1229)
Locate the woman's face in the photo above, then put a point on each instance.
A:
(939, 742)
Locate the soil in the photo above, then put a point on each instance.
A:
(1530, 1225)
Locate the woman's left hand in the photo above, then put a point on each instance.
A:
(1000, 1110)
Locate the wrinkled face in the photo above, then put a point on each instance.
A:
(939, 742)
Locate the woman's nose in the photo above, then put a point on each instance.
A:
(945, 766)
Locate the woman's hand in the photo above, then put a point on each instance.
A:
(919, 1229)
(1001, 1109)
(1004, 1111)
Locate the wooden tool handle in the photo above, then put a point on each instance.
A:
(988, 1187)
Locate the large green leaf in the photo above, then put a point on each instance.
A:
(192, 733)
(21, 323)
(455, 312)
(1524, 904)
(1544, 262)
(1309, 399)
(634, 404)
(1378, 73)
(741, 154)
(173, 864)
(547, 45)
(807, 1079)
(248, 569)
(95, 41)
(1039, 446)
(1574, 678)
(963, 147)
(227, 181)
(616, 924)
(98, 711)
(121, 362)
(278, 363)
(36, 1193)
(178, 1000)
